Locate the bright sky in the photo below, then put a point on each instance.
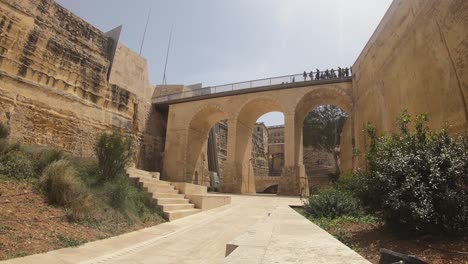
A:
(216, 42)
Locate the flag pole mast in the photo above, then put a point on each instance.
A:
(144, 33)
(167, 56)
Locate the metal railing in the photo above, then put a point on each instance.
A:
(280, 80)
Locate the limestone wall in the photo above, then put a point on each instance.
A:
(54, 88)
(417, 59)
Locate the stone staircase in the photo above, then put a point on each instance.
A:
(167, 197)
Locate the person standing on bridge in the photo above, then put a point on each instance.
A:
(317, 74)
(346, 72)
(340, 72)
(305, 76)
(311, 74)
(327, 74)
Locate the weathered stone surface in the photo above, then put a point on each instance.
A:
(54, 87)
(189, 124)
(417, 60)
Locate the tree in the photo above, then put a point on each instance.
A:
(322, 130)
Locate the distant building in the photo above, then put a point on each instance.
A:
(276, 149)
(260, 150)
(276, 134)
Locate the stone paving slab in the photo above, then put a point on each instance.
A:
(200, 238)
(287, 237)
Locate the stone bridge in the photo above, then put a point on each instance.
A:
(416, 60)
(266, 184)
(192, 113)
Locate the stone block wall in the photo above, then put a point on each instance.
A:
(417, 59)
(54, 87)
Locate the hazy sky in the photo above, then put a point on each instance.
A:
(220, 41)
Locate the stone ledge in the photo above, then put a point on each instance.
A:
(207, 202)
(190, 188)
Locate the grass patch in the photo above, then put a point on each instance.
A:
(69, 241)
(337, 226)
(94, 192)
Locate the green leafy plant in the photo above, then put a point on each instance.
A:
(62, 187)
(419, 180)
(332, 203)
(322, 129)
(113, 152)
(17, 165)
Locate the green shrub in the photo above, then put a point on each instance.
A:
(127, 199)
(358, 183)
(4, 131)
(62, 187)
(113, 154)
(45, 156)
(420, 179)
(87, 170)
(17, 165)
(6, 146)
(332, 203)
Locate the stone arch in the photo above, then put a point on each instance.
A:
(332, 95)
(272, 189)
(244, 120)
(198, 131)
(329, 95)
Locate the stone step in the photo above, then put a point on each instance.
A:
(173, 215)
(174, 207)
(157, 185)
(155, 181)
(168, 195)
(163, 201)
(160, 190)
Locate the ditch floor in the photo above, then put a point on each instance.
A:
(368, 238)
(29, 225)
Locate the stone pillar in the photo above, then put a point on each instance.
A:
(239, 176)
(229, 179)
(174, 154)
(293, 179)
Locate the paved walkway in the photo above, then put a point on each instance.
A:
(200, 238)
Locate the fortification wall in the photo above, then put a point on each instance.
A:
(417, 60)
(54, 87)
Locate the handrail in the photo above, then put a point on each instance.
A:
(285, 79)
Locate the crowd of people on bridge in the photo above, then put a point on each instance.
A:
(327, 74)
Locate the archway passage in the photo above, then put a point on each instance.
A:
(272, 189)
(189, 124)
(268, 149)
(242, 162)
(310, 101)
(322, 131)
(197, 161)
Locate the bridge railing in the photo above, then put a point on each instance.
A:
(286, 79)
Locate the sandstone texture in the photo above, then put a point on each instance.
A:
(417, 59)
(57, 86)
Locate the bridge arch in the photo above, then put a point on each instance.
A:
(330, 95)
(198, 132)
(240, 142)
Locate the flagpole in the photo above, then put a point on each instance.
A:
(144, 33)
(167, 55)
